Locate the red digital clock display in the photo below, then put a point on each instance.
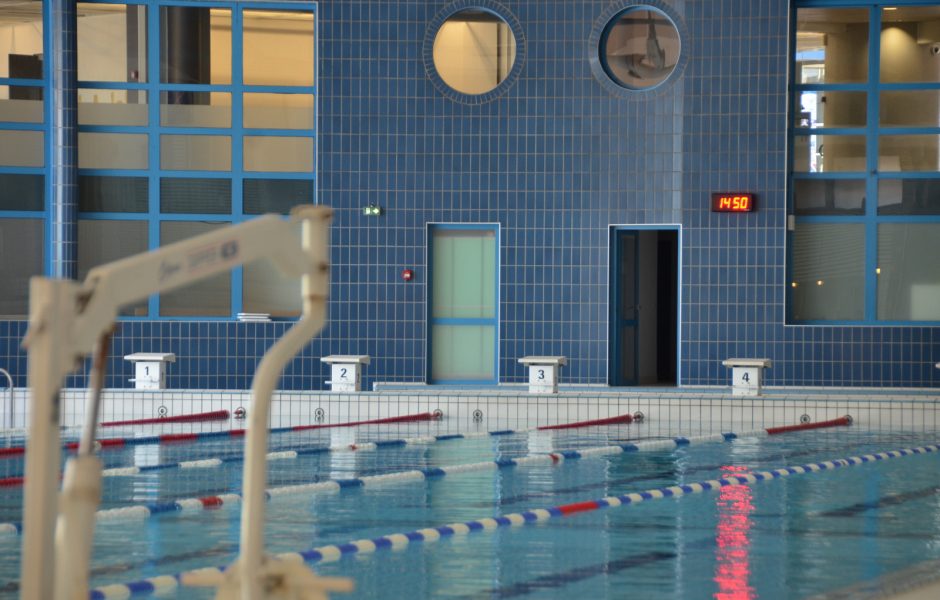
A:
(737, 202)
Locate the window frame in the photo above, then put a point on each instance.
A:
(237, 133)
(45, 215)
(872, 130)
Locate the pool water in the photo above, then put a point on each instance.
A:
(785, 538)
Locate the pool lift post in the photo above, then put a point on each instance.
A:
(68, 321)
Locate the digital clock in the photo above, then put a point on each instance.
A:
(737, 202)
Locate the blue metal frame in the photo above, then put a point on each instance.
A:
(153, 86)
(872, 130)
(613, 321)
(431, 321)
(43, 127)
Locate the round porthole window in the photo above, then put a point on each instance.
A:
(640, 47)
(474, 51)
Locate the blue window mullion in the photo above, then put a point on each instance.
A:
(113, 216)
(237, 133)
(826, 175)
(316, 104)
(49, 140)
(830, 131)
(14, 126)
(19, 81)
(872, 162)
(153, 142)
(22, 214)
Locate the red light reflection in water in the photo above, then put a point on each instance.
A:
(732, 567)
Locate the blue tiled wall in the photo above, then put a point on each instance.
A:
(554, 160)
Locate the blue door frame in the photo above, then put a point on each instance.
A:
(432, 321)
(619, 319)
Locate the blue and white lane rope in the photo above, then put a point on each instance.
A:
(189, 505)
(16, 480)
(167, 583)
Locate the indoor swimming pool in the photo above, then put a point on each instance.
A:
(790, 537)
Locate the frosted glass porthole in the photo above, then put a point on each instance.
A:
(640, 47)
(474, 51)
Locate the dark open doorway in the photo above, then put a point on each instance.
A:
(644, 306)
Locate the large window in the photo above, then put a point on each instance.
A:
(865, 170)
(22, 154)
(192, 118)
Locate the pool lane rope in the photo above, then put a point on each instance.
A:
(17, 480)
(324, 554)
(170, 438)
(188, 505)
(205, 463)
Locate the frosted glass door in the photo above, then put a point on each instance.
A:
(463, 304)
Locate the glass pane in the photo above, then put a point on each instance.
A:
(909, 272)
(474, 51)
(829, 196)
(21, 247)
(21, 149)
(195, 48)
(908, 153)
(112, 107)
(266, 290)
(101, 242)
(208, 298)
(112, 194)
(21, 104)
(910, 108)
(828, 153)
(196, 152)
(275, 195)
(178, 109)
(200, 196)
(640, 48)
(463, 352)
(112, 150)
(831, 45)
(831, 109)
(909, 197)
(278, 47)
(464, 274)
(279, 111)
(21, 43)
(112, 42)
(279, 154)
(908, 38)
(828, 272)
(22, 192)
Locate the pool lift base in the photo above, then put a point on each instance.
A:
(69, 321)
(278, 579)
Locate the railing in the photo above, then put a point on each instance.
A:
(10, 385)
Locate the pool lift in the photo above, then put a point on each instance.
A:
(69, 321)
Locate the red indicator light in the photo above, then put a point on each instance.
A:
(737, 202)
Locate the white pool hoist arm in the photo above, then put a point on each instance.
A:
(68, 321)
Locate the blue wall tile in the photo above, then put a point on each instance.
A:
(555, 160)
